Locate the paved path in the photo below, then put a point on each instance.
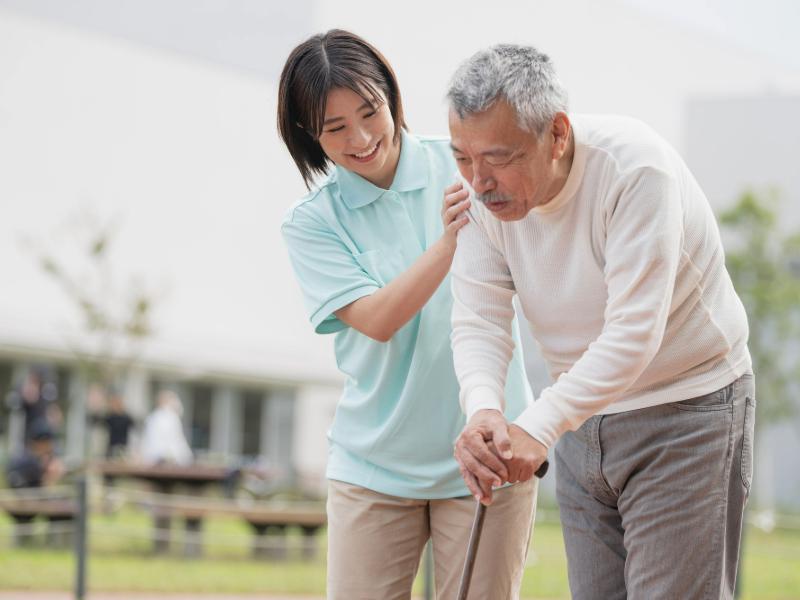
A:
(141, 596)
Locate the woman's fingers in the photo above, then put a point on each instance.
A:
(457, 224)
(454, 211)
(453, 188)
(456, 202)
(453, 198)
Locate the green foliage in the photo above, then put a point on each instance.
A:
(764, 263)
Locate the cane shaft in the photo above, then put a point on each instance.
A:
(472, 551)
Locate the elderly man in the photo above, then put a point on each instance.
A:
(601, 230)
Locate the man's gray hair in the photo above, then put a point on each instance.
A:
(523, 76)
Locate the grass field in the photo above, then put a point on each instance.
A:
(120, 560)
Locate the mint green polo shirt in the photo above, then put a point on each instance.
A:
(399, 414)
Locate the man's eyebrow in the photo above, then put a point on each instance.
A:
(367, 104)
(497, 152)
(489, 152)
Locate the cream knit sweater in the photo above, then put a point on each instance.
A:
(621, 277)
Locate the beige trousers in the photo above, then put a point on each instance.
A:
(375, 542)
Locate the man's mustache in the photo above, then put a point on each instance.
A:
(492, 197)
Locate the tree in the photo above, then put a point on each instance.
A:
(115, 319)
(764, 264)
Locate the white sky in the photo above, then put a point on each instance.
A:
(765, 26)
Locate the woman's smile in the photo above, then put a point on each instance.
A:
(367, 155)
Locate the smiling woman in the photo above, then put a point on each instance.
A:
(328, 98)
(371, 246)
(359, 135)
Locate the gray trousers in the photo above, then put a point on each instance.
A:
(652, 500)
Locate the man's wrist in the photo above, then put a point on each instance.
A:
(527, 422)
(482, 398)
(527, 433)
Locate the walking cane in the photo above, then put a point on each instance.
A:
(475, 538)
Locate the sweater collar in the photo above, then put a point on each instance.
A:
(573, 179)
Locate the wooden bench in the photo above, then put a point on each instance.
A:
(265, 519)
(57, 511)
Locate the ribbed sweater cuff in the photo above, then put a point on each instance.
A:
(482, 397)
(543, 421)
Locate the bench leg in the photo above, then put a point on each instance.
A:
(267, 544)
(276, 548)
(161, 533)
(259, 543)
(193, 542)
(22, 537)
(59, 532)
(309, 548)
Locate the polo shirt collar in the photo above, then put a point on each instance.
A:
(411, 174)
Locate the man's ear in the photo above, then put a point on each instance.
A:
(560, 129)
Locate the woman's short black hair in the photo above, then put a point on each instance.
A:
(336, 59)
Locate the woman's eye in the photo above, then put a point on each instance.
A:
(335, 129)
(369, 114)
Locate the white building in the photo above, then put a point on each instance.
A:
(163, 115)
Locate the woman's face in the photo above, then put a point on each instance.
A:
(359, 136)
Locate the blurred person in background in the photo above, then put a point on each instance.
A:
(371, 246)
(163, 440)
(118, 425)
(37, 465)
(36, 397)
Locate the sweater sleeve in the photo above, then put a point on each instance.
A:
(644, 234)
(482, 318)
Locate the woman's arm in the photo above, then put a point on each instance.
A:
(382, 313)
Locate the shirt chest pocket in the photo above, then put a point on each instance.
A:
(382, 265)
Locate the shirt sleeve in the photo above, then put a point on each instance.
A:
(483, 313)
(644, 232)
(329, 275)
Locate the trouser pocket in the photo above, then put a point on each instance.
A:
(747, 440)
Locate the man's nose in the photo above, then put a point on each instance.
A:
(482, 182)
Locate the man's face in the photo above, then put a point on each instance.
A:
(510, 169)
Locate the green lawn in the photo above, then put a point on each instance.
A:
(120, 560)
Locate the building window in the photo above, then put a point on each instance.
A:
(252, 410)
(5, 397)
(278, 431)
(200, 427)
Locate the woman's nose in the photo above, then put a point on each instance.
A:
(359, 138)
